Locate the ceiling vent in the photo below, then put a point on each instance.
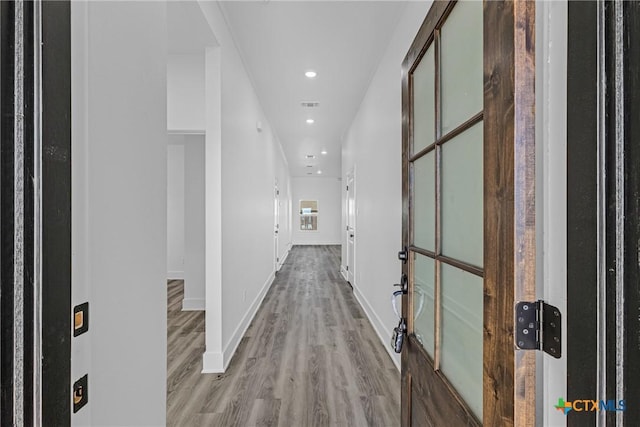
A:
(310, 104)
(310, 156)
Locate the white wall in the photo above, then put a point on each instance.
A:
(175, 207)
(250, 162)
(194, 227)
(119, 200)
(81, 346)
(378, 180)
(327, 191)
(185, 93)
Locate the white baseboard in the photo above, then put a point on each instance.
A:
(343, 272)
(193, 304)
(317, 244)
(283, 259)
(175, 275)
(212, 363)
(236, 337)
(186, 131)
(377, 324)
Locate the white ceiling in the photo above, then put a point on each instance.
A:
(342, 41)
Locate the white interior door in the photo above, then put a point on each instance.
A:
(351, 228)
(276, 226)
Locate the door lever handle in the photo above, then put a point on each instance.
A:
(404, 288)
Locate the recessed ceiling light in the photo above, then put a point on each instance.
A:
(323, 152)
(319, 172)
(310, 121)
(310, 74)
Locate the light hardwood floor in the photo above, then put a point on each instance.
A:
(309, 358)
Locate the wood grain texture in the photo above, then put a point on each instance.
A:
(433, 400)
(309, 358)
(524, 198)
(498, 383)
(509, 208)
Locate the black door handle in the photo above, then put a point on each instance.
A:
(403, 255)
(404, 284)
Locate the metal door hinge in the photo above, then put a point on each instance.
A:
(347, 268)
(538, 327)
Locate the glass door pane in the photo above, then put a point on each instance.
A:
(446, 203)
(461, 65)
(424, 99)
(461, 359)
(462, 230)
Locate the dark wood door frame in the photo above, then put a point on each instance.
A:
(603, 207)
(632, 211)
(56, 212)
(509, 387)
(582, 213)
(35, 299)
(17, 214)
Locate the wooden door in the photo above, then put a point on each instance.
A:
(469, 214)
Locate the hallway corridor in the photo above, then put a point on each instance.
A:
(309, 358)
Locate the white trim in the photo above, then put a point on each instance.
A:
(211, 362)
(377, 324)
(343, 272)
(236, 337)
(175, 275)
(193, 304)
(551, 190)
(283, 259)
(318, 243)
(186, 132)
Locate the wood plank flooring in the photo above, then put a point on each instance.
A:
(309, 358)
